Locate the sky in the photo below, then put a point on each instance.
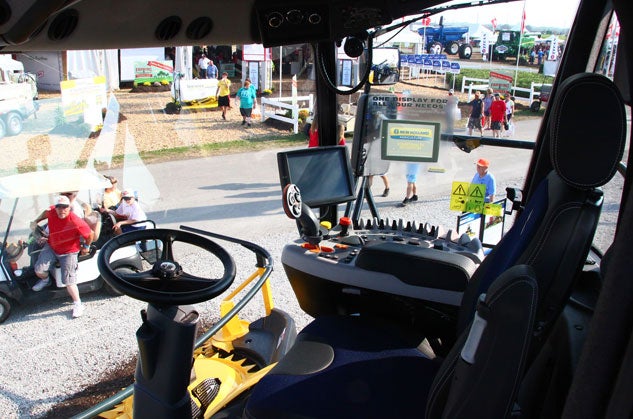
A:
(551, 13)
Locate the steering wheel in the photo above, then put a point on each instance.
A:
(166, 283)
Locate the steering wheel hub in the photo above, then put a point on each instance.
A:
(166, 269)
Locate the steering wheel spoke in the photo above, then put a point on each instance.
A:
(166, 282)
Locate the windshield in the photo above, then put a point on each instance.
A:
(446, 125)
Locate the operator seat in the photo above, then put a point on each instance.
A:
(357, 367)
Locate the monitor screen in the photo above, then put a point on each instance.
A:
(323, 174)
(410, 140)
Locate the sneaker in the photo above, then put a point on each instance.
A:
(243, 122)
(224, 117)
(78, 310)
(385, 193)
(405, 202)
(41, 284)
(414, 198)
(248, 125)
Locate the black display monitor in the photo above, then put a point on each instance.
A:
(323, 174)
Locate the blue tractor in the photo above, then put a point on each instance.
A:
(446, 38)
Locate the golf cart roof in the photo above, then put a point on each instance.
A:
(51, 182)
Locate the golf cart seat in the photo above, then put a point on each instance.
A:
(358, 367)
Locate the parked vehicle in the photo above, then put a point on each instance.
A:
(447, 38)
(23, 197)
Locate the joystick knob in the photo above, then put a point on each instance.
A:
(344, 222)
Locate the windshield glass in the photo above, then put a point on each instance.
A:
(442, 137)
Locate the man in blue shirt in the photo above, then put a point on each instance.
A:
(212, 70)
(483, 177)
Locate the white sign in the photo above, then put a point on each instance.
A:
(346, 73)
(254, 52)
(196, 89)
(484, 43)
(553, 50)
(84, 96)
(253, 73)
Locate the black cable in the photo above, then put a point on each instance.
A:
(328, 81)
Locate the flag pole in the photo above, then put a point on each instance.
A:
(516, 71)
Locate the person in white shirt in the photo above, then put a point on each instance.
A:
(203, 63)
(128, 212)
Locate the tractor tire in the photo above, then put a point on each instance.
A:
(435, 48)
(14, 123)
(465, 51)
(452, 48)
(5, 308)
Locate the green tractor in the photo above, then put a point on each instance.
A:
(507, 44)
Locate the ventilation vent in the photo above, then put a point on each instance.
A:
(199, 28)
(5, 12)
(63, 25)
(168, 28)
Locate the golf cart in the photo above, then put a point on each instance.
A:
(23, 197)
(546, 90)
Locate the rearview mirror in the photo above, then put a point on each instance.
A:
(385, 66)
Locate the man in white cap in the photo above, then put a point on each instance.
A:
(128, 212)
(62, 245)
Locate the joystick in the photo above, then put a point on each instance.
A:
(344, 222)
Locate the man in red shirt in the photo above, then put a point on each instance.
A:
(62, 244)
(497, 115)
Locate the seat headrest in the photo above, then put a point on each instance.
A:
(587, 130)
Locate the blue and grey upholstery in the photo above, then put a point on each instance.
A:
(359, 367)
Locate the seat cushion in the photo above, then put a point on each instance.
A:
(360, 368)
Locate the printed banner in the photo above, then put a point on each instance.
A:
(153, 71)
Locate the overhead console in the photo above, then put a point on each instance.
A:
(286, 22)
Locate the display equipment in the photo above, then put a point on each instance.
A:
(410, 140)
(323, 174)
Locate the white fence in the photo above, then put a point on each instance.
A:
(271, 107)
(533, 93)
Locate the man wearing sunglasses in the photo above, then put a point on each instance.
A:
(127, 213)
(62, 245)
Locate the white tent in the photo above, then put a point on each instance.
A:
(476, 31)
(91, 63)
(184, 62)
(405, 36)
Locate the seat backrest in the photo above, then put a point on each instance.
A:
(554, 232)
(481, 374)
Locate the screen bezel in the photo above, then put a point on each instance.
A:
(430, 155)
(284, 161)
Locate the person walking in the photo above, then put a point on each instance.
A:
(412, 189)
(497, 115)
(212, 70)
(223, 93)
(476, 111)
(246, 96)
(62, 245)
(203, 63)
(488, 99)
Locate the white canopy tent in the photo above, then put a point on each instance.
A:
(405, 36)
(92, 63)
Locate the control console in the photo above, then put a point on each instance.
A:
(357, 267)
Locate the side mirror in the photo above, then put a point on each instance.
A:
(385, 66)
